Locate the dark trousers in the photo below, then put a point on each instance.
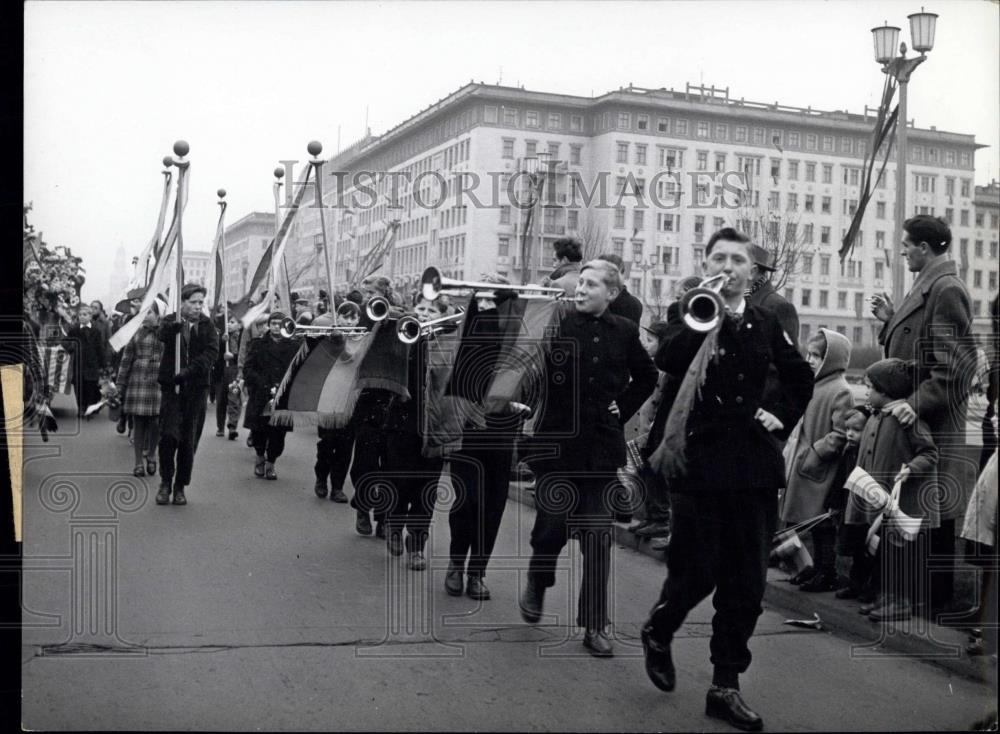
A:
(480, 476)
(87, 392)
(333, 455)
(824, 537)
(268, 441)
(580, 507)
(369, 458)
(719, 540)
(182, 418)
(411, 481)
(902, 566)
(942, 563)
(656, 500)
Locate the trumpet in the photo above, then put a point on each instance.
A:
(377, 308)
(409, 329)
(702, 306)
(433, 284)
(290, 329)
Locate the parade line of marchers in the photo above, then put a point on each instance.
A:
(745, 446)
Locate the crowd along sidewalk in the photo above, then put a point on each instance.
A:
(934, 643)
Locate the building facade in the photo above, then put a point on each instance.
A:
(246, 240)
(646, 173)
(980, 263)
(195, 263)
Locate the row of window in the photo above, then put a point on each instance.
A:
(409, 259)
(858, 332)
(452, 249)
(510, 116)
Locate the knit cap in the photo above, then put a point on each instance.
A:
(894, 378)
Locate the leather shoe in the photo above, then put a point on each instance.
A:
(179, 498)
(597, 642)
(848, 592)
(872, 605)
(163, 496)
(659, 663)
(416, 561)
(337, 495)
(653, 530)
(320, 488)
(805, 575)
(476, 589)
(258, 466)
(362, 524)
(395, 544)
(453, 581)
(820, 582)
(269, 472)
(219, 433)
(894, 611)
(728, 705)
(233, 435)
(532, 600)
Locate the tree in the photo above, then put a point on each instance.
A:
(593, 234)
(780, 233)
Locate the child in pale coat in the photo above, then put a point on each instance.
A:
(816, 454)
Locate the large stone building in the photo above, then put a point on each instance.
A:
(980, 265)
(246, 240)
(195, 264)
(646, 173)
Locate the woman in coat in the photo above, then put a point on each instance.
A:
(137, 375)
(267, 361)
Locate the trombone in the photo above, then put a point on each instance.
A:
(290, 329)
(702, 306)
(433, 284)
(409, 328)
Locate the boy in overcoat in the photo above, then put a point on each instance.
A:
(182, 411)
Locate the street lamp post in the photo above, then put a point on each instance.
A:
(922, 27)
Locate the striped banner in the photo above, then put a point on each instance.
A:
(160, 278)
(56, 362)
(321, 384)
(274, 253)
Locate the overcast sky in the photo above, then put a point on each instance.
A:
(109, 86)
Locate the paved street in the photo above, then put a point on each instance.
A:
(257, 606)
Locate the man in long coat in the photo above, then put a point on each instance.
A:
(933, 327)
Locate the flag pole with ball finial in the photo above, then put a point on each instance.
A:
(181, 149)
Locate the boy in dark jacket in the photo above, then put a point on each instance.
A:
(851, 538)
(86, 343)
(184, 391)
(891, 453)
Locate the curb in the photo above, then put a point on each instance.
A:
(932, 643)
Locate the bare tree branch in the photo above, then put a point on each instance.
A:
(780, 233)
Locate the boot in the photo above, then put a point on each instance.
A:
(476, 589)
(269, 472)
(179, 498)
(163, 496)
(337, 495)
(453, 580)
(597, 643)
(320, 488)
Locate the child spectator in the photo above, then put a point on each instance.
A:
(817, 451)
(851, 538)
(885, 447)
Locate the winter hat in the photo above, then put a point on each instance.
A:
(276, 315)
(894, 378)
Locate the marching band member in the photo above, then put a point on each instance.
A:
(480, 471)
(182, 414)
(335, 445)
(412, 476)
(267, 360)
(724, 494)
(597, 375)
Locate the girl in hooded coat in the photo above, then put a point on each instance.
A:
(815, 455)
